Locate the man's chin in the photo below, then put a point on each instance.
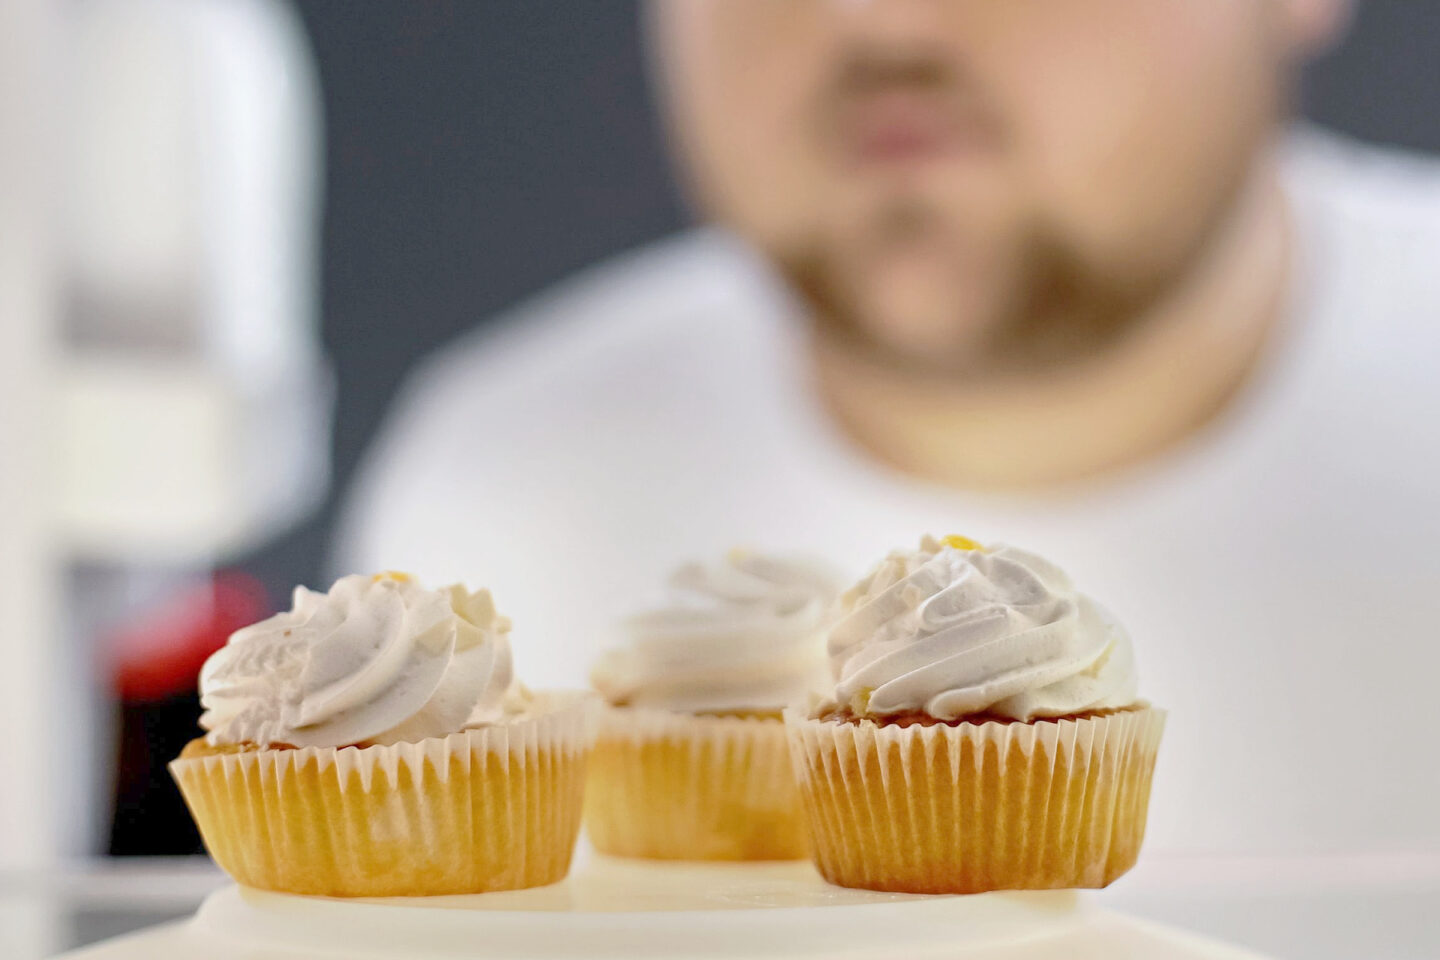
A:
(1040, 311)
(924, 349)
(948, 343)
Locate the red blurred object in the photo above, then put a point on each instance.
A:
(160, 654)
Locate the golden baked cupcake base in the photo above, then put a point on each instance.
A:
(969, 808)
(674, 786)
(490, 808)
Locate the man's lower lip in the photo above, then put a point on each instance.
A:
(898, 146)
(906, 134)
(906, 149)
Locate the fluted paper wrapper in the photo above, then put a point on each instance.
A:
(976, 807)
(677, 786)
(490, 808)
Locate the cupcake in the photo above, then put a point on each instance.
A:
(983, 732)
(691, 760)
(371, 742)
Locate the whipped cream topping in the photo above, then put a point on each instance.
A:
(955, 629)
(376, 660)
(746, 633)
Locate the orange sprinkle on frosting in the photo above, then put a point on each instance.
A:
(399, 576)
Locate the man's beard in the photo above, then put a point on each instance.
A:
(1058, 308)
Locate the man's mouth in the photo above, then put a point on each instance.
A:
(902, 127)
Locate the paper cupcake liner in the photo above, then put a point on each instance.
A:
(976, 807)
(677, 786)
(491, 808)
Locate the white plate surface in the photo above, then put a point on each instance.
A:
(632, 909)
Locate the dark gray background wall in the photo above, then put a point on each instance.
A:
(481, 149)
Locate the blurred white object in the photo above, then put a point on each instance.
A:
(164, 400)
(195, 408)
(29, 828)
(190, 398)
(171, 462)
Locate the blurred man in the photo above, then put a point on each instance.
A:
(1049, 273)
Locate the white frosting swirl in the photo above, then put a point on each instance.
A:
(950, 632)
(746, 633)
(375, 660)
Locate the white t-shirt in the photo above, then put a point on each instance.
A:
(1280, 572)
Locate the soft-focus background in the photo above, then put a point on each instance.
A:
(229, 228)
